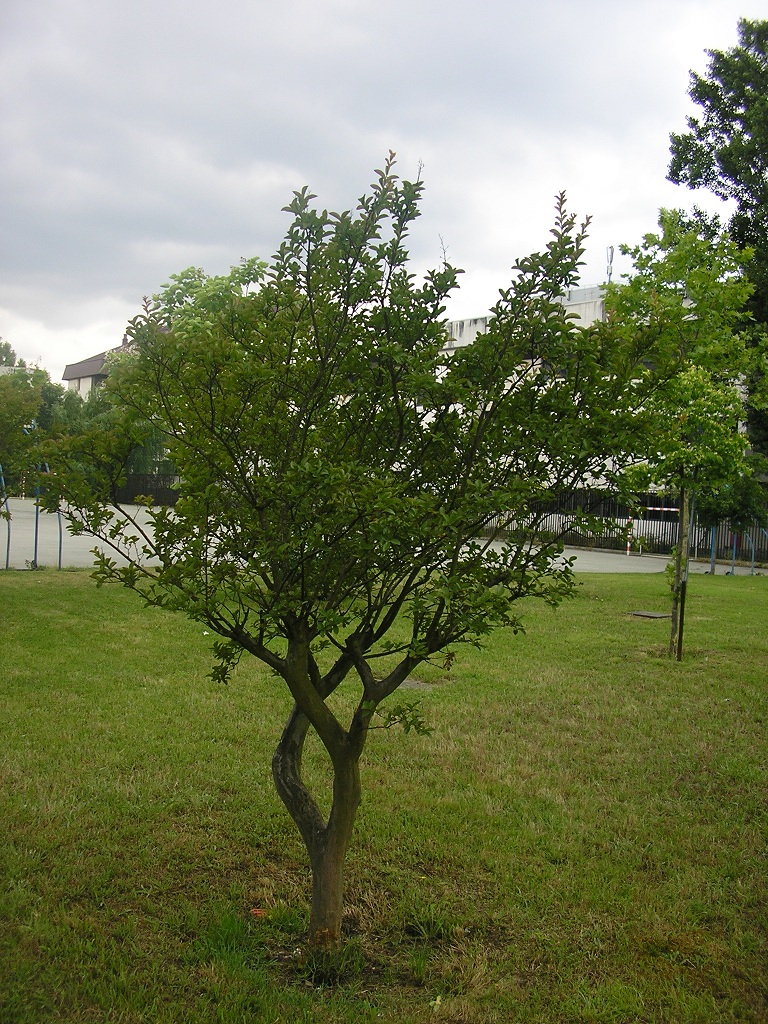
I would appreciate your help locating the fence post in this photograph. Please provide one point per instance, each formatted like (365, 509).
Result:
(713, 542)
(4, 501)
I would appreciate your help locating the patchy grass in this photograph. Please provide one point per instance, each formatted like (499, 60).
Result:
(582, 838)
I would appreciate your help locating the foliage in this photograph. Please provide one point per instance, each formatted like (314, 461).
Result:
(726, 151)
(742, 502)
(72, 414)
(8, 355)
(21, 400)
(688, 289)
(31, 405)
(726, 148)
(343, 480)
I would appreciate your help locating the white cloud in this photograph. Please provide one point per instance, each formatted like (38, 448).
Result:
(72, 335)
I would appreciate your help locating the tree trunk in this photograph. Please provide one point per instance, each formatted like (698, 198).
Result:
(328, 866)
(681, 568)
(326, 842)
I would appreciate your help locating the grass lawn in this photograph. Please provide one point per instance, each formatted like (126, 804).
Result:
(582, 839)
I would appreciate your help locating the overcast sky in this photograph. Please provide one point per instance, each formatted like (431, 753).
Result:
(140, 137)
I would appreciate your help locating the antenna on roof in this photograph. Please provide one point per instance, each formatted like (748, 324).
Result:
(609, 257)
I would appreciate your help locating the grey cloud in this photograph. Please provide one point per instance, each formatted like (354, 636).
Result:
(141, 137)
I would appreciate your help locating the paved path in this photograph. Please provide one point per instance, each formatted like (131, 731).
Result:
(55, 545)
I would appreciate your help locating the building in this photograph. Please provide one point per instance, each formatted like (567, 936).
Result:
(586, 304)
(89, 373)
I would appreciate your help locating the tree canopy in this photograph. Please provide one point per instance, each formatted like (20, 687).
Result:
(726, 151)
(355, 497)
(30, 405)
(688, 285)
(8, 355)
(726, 148)
(19, 403)
(27, 402)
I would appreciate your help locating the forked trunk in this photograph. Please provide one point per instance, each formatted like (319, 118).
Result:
(326, 842)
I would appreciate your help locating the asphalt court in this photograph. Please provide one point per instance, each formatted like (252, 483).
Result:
(33, 533)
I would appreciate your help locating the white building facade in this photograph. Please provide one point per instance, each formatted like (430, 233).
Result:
(586, 304)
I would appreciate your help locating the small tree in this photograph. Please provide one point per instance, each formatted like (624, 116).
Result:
(8, 355)
(354, 499)
(688, 288)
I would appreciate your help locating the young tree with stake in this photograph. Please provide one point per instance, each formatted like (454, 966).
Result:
(688, 289)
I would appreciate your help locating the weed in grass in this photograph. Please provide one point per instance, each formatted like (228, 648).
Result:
(289, 919)
(427, 920)
(418, 962)
(331, 968)
(227, 938)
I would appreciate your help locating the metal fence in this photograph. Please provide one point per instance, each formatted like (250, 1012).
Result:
(161, 487)
(651, 526)
(32, 538)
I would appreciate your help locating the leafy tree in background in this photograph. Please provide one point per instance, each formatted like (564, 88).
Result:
(8, 355)
(26, 400)
(34, 408)
(355, 501)
(30, 405)
(19, 403)
(741, 503)
(71, 414)
(726, 151)
(688, 283)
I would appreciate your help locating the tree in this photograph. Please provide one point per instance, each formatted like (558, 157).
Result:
(8, 355)
(29, 403)
(21, 396)
(702, 449)
(688, 286)
(68, 413)
(354, 501)
(741, 503)
(726, 151)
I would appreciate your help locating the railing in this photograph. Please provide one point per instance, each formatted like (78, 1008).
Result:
(31, 538)
(652, 527)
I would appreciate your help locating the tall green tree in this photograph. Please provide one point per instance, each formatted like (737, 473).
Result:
(726, 151)
(355, 500)
(8, 355)
(21, 402)
(30, 404)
